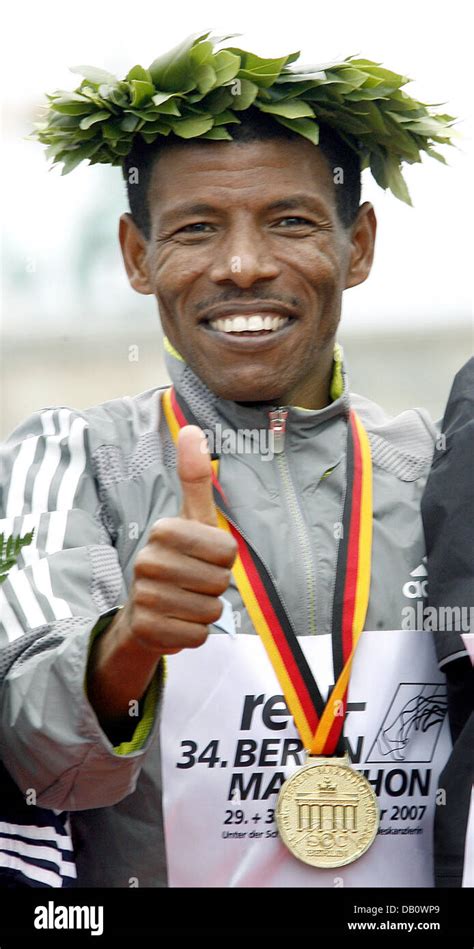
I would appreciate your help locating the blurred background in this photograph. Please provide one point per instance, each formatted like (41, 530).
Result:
(69, 316)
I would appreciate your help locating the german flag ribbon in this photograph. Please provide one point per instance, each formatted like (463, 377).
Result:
(319, 723)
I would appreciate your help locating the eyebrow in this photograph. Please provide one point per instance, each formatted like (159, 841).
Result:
(292, 202)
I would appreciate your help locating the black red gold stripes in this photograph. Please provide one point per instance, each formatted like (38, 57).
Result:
(319, 724)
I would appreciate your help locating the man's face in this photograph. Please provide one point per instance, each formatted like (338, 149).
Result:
(248, 232)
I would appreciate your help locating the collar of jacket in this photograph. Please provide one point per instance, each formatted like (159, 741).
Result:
(209, 409)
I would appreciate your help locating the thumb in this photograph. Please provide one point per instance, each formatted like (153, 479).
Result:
(195, 473)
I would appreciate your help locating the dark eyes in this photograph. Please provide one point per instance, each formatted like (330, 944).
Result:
(190, 228)
(302, 220)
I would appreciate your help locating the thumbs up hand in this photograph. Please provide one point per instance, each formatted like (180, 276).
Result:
(194, 472)
(186, 563)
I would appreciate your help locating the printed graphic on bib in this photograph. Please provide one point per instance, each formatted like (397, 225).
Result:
(229, 743)
(412, 725)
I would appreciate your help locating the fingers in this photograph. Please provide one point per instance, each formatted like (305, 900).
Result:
(175, 595)
(195, 474)
(187, 573)
(165, 634)
(208, 544)
(189, 606)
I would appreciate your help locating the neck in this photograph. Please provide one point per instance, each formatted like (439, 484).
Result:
(312, 392)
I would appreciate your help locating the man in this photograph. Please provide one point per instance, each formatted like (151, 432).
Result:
(248, 246)
(446, 510)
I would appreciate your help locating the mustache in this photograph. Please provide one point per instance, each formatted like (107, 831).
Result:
(232, 298)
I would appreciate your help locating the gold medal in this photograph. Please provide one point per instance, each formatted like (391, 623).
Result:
(327, 813)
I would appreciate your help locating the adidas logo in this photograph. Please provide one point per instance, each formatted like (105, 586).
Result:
(418, 587)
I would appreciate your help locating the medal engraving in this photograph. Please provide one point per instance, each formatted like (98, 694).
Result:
(327, 814)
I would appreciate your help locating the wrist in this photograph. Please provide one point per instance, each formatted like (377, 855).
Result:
(122, 638)
(119, 670)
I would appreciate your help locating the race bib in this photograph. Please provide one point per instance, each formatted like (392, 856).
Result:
(228, 743)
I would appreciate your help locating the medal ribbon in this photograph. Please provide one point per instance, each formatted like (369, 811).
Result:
(319, 723)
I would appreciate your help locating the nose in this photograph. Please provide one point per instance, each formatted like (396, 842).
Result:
(244, 256)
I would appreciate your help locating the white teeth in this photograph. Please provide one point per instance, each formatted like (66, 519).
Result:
(246, 324)
(255, 323)
(240, 324)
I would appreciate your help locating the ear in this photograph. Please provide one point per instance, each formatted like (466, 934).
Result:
(134, 252)
(362, 241)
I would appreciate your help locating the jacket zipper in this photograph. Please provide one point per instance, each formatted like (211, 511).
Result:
(277, 425)
(280, 416)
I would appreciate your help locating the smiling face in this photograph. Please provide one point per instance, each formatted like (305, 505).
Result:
(248, 259)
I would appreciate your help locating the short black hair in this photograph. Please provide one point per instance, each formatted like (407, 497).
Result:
(255, 125)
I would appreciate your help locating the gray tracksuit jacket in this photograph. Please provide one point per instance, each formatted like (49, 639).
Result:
(92, 483)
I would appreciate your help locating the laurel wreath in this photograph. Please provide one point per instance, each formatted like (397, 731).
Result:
(197, 91)
(10, 549)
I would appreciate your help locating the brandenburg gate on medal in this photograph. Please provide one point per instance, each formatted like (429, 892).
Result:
(325, 809)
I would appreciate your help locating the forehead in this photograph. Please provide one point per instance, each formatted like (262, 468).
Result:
(238, 174)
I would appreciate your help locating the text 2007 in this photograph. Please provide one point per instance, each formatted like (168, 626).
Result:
(407, 812)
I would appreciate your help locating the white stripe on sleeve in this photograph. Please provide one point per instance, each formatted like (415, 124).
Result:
(20, 469)
(30, 553)
(9, 619)
(47, 421)
(68, 870)
(51, 458)
(34, 851)
(42, 578)
(75, 468)
(48, 877)
(68, 487)
(27, 599)
(56, 531)
(38, 852)
(35, 832)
